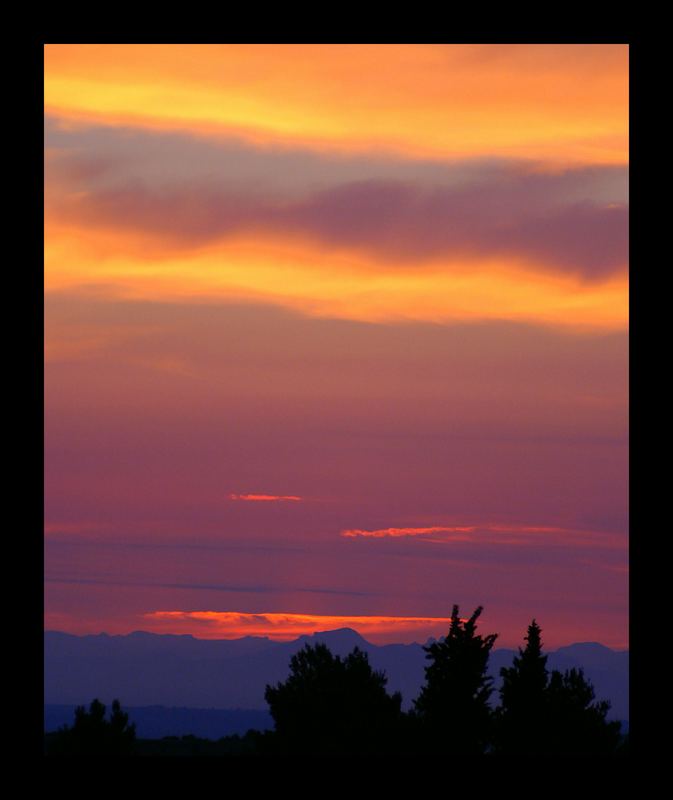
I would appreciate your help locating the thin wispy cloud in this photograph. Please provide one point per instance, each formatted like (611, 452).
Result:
(396, 532)
(494, 534)
(207, 587)
(266, 498)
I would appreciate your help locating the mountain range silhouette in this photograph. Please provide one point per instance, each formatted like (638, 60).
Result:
(228, 676)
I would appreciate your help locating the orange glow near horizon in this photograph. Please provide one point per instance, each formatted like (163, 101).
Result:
(285, 627)
(558, 630)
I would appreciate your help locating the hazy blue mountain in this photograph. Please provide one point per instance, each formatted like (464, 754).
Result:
(145, 669)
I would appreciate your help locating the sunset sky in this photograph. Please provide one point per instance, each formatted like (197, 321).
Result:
(337, 336)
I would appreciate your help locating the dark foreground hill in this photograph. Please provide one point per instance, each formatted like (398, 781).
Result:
(156, 722)
(225, 679)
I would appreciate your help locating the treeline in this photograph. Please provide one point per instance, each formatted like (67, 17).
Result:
(340, 706)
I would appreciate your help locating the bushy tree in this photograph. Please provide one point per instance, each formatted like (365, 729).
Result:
(577, 722)
(333, 705)
(453, 707)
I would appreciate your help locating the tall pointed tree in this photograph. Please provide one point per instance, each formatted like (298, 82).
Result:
(522, 716)
(557, 714)
(453, 706)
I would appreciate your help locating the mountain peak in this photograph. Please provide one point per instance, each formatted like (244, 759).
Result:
(343, 637)
(147, 635)
(586, 647)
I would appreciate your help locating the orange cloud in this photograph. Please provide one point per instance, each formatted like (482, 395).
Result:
(561, 103)
(330, 251)
(394, 532)
(304, 276)
(284, 627)
(518, 534)
(265, 498)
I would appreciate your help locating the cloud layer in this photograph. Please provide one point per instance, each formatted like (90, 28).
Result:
(397, 224)
(568, 103)
(340, 331)
(355, 236)
(572, 220)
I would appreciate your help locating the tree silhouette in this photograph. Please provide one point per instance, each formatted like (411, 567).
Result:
(333, 705)
(453, 706)
(522, 716)
(541, 714)
(578, 723)
(92, 734)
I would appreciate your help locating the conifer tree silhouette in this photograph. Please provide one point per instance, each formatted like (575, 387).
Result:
(453, 706)
(522, 716)
(542, 714)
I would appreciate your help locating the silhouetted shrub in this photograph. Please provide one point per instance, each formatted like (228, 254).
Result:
(577, 723)
(92, 734)
(333, 705)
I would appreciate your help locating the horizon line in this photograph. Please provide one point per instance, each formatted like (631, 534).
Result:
(309, 635)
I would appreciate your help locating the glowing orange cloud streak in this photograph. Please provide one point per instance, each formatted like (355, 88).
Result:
(475, 533)
(563, 103)
(302, 276)
(265, 498)
(284, 627)
(395, 532)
